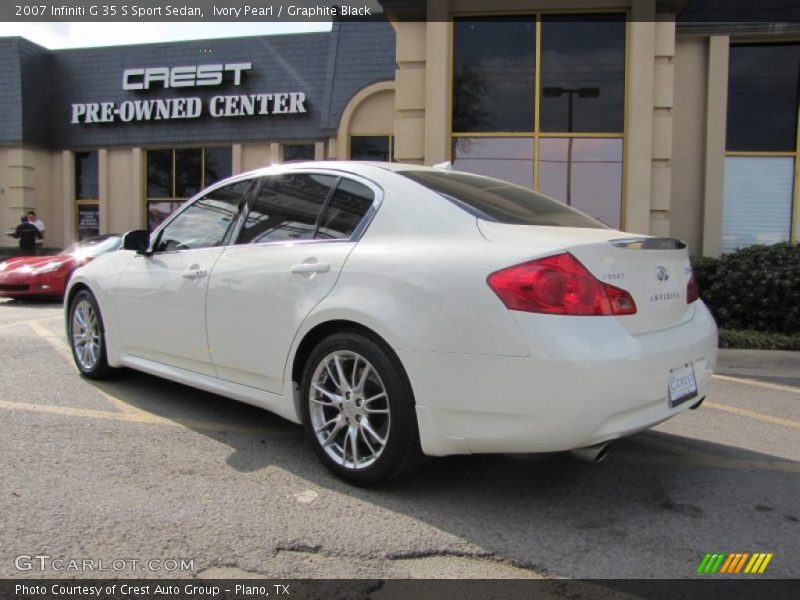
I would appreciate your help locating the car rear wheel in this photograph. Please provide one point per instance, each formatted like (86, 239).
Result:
(359, 410)
(87, 337)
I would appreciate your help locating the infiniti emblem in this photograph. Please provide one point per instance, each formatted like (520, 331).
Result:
(662, 274)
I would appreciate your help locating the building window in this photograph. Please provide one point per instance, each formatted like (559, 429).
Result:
(539, 101)
(762, 150)
(174, 175)
(87, 203)
(493, 74)
(372, 147)
(298, 152)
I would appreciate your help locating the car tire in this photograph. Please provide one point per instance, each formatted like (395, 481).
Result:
(359, 411)
(86, 336)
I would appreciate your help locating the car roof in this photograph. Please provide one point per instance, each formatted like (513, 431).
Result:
(356, 167)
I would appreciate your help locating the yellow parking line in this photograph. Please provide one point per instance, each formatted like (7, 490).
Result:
(60, 345)
(80, 412)
(688, 455)
(143, 417)
(28, 322)
(764, 384)
(743, 412)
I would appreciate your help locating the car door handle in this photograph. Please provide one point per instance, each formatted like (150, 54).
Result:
(311, 268)
(193, 273)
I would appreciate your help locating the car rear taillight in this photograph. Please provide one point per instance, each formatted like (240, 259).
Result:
(692, 290)
(558, 285)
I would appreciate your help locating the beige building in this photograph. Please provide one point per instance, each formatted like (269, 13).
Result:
(628, 110)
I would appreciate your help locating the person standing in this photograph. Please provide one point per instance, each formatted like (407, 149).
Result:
(32, 218)
(27, 233)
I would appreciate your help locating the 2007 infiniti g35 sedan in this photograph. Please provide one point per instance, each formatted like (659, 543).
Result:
(399, 311)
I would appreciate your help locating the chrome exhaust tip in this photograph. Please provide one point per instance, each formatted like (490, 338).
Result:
(592, 454)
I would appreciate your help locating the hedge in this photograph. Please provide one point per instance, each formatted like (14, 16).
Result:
(753, 289)
(758, 340)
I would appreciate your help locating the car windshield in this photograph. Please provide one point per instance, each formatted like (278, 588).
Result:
(94, 247)
(499, 201)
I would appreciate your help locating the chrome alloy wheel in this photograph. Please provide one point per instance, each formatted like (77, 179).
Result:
(86, 334)
(349, 409)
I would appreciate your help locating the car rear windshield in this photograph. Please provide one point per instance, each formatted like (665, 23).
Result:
(501, 202)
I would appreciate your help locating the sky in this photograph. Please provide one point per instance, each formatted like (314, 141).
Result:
(82, 35)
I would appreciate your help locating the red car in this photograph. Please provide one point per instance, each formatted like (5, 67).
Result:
(25, 276)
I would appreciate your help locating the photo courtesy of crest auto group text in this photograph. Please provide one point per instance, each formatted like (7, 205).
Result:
(401, 298)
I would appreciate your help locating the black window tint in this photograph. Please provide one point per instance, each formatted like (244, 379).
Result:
(159, 173)
(218, 165)
(369, 147)
(205, 222)
(295, 152)
(583, 73)
(286, 208)
(501, 202)
(86, 176)
(763, 97)
(349, 204)
(494, 68)
(188, 172)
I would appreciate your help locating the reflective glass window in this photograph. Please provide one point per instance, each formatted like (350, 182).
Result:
(204, 223)
(583, 73)
(757, 207)
(86, 174)
(188, 172)
(159, 174)
(498, 201)
(763, 97)
(370, 147)
(218, 164)
(347, 207)
(585, 173)
(510, 159)
(298, 152)
(494, 72)
(286, 208)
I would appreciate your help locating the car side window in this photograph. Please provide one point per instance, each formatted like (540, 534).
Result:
(346, 209)
(286, 208)
(205, 222)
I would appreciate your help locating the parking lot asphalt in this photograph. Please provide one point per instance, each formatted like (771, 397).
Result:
(142, 469)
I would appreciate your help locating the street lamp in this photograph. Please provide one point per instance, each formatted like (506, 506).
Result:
(582, 92)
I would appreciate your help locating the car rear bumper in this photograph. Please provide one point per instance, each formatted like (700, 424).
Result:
(587, 380)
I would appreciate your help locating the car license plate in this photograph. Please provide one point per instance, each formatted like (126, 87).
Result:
(682, 385)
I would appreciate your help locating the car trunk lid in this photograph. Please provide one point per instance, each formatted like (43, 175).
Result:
(655, 271)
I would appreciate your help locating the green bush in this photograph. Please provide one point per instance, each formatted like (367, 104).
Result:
(758, 340)
(756, 288)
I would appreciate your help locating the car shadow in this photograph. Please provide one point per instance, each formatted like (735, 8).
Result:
(652, 509)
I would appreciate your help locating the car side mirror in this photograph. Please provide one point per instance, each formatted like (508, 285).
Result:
(138, 241)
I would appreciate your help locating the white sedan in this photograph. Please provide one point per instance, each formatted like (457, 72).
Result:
(399, 311)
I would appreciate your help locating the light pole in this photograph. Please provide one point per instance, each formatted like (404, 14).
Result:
(582, 92)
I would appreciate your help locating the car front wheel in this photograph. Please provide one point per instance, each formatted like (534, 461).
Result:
(359, 410)
(87, 337)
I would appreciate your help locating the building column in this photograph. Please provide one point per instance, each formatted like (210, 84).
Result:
(716, 123)
(410, 85)
(236, 159)
(663, 103)
(639, 120)
(274, 153)
(319, 150)
(138, 186)
(103, 190)
(68, 197)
